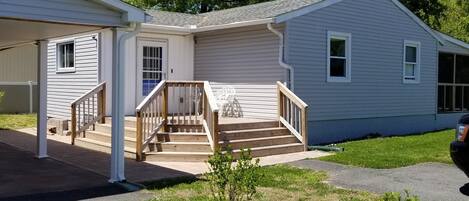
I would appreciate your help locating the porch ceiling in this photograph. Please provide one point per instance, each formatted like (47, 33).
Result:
(20, 31)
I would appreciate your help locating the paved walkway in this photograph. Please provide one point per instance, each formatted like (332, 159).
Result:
(430, 181)
(23, 177)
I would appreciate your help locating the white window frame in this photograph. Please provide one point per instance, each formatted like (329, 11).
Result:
(348, 56)
(60, 69)
(416, 78)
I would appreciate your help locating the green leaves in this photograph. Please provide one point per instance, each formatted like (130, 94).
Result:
(233, 181)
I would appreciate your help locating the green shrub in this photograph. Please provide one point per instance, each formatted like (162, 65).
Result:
(396, 196)
(2, 93)
(234, 182)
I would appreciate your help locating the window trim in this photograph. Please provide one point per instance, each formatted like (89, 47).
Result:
(348, 56)
(60, 69)
(417, 45)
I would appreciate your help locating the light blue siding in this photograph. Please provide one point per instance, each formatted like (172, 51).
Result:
(78, 11)
(324, 132)
(378, 29)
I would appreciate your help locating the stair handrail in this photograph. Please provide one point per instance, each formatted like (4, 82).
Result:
(293, 113)
(210, 120)
(151, 109)
(80, 116)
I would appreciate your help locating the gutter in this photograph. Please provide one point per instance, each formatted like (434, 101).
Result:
(197, 29)
(118, 105)
(280, 56)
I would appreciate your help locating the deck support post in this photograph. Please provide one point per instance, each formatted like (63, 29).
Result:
(41, 147)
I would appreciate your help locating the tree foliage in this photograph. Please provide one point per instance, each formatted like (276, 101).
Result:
(448, 16)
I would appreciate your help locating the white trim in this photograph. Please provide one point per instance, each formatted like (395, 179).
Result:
(417, 64)
(305, 10)
(61, 69)
(291, 78)
(195, 29)
(418, 20)
(234, 25)
(348, 56)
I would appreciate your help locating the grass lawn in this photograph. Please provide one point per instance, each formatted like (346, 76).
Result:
(396, 152)
(280, 182)
(17, 121)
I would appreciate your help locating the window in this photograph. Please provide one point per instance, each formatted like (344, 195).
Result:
(66, 57)
(411, 62)
(339, 53)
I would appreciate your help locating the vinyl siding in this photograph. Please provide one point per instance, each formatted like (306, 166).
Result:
(245, 58)
(378, 29)
(64, 88)
(78, 11)
(19, 64)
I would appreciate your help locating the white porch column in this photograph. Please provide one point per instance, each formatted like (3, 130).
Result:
(41, 146)
(117, 140)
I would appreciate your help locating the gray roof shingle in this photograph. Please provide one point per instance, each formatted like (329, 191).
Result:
(240, 14)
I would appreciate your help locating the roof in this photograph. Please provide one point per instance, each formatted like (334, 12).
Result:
(453, 45)
(277, 11)
(252, 12)
(132, 14)
(449, 39)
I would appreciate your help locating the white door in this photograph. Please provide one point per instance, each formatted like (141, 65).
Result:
(152, 60)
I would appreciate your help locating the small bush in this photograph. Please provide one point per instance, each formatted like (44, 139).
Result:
(233, 182)
(2, 93)
(396, 196)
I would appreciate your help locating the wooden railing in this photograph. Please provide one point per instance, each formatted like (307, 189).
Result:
(88, 109)
(293, 113)
(152, 116)
(176, 106)
(210, 122)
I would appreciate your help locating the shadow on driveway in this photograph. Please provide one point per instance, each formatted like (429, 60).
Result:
(71, 172)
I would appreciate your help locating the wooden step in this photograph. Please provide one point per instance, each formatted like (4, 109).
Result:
(245, 126)
(253, 133)
(105, 137)
(260, 142)
(273, 150)
(182, 137)
(183, 147)
(185, 128)
(107, 128)
(177, 156)
(102, 146)
(130, 122)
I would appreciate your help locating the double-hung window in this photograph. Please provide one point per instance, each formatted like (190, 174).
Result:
(66, 57)
(411, 62)
(339, 57)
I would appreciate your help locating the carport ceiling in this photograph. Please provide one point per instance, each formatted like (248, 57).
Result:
(19, 31)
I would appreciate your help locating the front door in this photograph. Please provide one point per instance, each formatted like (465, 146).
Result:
(151, 64)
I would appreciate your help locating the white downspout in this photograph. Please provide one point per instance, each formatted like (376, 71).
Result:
(280, 56)
(118, 107)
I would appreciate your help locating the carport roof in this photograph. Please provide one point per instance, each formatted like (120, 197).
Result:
(27, 21)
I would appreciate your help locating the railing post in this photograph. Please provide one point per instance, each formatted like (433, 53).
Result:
(215, 135)
(102, 105)
(280, 105)
(165, 108)
(74, 123)
(304, 127)
(139, 137)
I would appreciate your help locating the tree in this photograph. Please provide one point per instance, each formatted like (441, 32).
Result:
(430, 11)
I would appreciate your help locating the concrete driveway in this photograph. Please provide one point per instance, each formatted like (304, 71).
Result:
(430, 181)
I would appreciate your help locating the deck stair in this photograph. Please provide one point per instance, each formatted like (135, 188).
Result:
(157, 135)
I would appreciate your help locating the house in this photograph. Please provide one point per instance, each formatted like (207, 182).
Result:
(18, 79)
(362, 67)
(29, 22)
